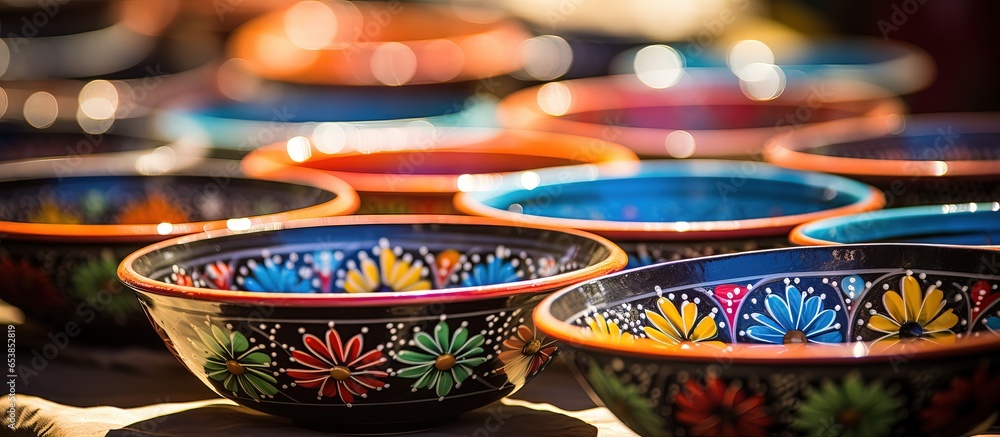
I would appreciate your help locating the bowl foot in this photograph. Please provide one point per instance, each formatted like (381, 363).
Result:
(377, 428)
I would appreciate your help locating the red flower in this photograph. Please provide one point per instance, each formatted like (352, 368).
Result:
(338, 369)
(524, 355)
(715, 409)
(964, 405)
(25, 286)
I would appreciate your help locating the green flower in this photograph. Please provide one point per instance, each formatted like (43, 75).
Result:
(627, 402)
(228, 358)
(99, 277)
(849, 408)
(443, 360)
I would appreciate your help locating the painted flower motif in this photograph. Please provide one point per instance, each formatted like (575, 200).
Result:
(969, 405)
(154, 208)
(627, 402)
(274, 276)
(608, 330)
(799, 319)
(24, 285)
(673, 328)
(992, 324)
(444, 265)
(494, 271)
(229, 359)
(52, 212)
(219, 275)
(337, 369)
(324, 264)
(714, 408)
(391, 274)
(848, 408)
(730, 296)
(100, 276)
(442, 361)
(523, 355)
(914, 315)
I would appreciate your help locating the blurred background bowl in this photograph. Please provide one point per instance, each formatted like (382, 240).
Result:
(65, 235)
(667, 210)
(916, 160)
(420, 168)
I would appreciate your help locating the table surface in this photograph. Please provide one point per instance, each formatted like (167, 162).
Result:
(96, 391)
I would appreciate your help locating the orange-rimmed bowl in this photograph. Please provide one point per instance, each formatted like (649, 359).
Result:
(702, 115)
(882, 339)
(916, 160)
(335, 323)
(378, 43)
(64, 236)
(420, 170)
(663, 210)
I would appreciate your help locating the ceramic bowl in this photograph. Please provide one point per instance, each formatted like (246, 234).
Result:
(921, 159)
(63, 237)
(279, 111)
(378, 44)
(363, 324)
(419, 169)
(967, 224)
(900, 67)
(702, 115)
(851, 340)
(26, 152)
(667, 210)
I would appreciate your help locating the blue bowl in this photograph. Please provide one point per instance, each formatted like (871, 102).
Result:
(968, 224)
(704, 206)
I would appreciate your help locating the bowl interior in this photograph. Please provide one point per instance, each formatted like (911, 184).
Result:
(924, 143)
(384, 257)
(963, 224)
(707, 191)
(436, 162)
(149, 199)
(706, 116)
(880, 296)
(17, 143)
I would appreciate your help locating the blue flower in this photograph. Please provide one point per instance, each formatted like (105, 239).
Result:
(795, 320)
(494, 271)
(276, 277)
(993, 324)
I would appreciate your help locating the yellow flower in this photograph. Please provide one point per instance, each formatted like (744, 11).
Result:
(915, 315)
(608, 331)
(392, 274)
(155, 208)
(673, 328)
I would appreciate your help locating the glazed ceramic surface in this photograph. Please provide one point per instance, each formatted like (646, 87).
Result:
(668, 210)
(363, 324)
(969, 224)
(65, 237)
(916, 160)
(855, 340)
(419, 169)
(702, 115)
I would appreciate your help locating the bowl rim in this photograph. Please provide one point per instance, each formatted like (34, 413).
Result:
(346, 201)
(794, 149)
(332, 65)
(804, 234)
(470, 202)
(615, 261)
(748, 353)
(705, 87)
(273, 159)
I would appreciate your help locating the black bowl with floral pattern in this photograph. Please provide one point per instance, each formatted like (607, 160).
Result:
(62, 237)
(363, 324)
(860, 340)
